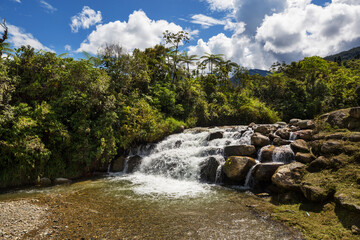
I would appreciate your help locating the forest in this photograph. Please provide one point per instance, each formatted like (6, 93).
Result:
(61, 116)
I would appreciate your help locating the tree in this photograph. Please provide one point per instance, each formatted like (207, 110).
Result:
(211, 60)
(4, 47)
(188, 60)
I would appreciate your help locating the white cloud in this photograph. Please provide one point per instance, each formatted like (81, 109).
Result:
(353, 2)
(221, 5)
(47, 6)
(67, 47)
(18, 38)
(18, 1)
(139, 32)
(86, 18)
(206, 21)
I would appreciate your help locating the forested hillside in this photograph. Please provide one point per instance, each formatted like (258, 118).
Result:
(65, 117)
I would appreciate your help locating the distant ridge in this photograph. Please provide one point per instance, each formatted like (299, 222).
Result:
(346, 55)
(258, 71)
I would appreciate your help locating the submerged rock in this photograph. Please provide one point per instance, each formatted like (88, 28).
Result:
(215, 135)
(236, 168)
(208, 170)
(288, 177)
(240, 150)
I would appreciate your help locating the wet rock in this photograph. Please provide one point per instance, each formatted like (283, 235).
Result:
(264, 171)
(236, 168)
(284, 133)
(283, 154)
(304, 134)
(300, 145)
(355, 112)
(354, 137)
(304, 157)
(59, 181)
(288, 177)
(215, 135)
(332, 147)
(208, 170)
(280, 142)
(319, 164)
(347, 202)
(316, 193)
(263, 129)
(305, 124)
(133, 163)
(240, 150)
(259, 140)
(118, 164)
(43, 182)
(294, 121)
(267, 154)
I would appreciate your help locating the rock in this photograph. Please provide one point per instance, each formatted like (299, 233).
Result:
(319, 164)
(304, 134)
(264, 130)
(280, 142)
(283, 154)
(300, 146)
(294, 121)
(118, 164)
(59, 181)
(284, 133)
(354, 124)
(264, 171)
(236, 168)
(332, 147)
(304, 157)
(208, 170)
(251, 125)
(305, 124)
(288, 177)
(316, 147)
(339, 118)
(347, 202)
(133, 163)
(281, 123)
(240, 150)
(266, 154)
(355, 230)
(215, 135)
(336, 136)
(272, 136)
(43, 182)
(259, 140)
(354, 137)
(355, 112)
(316, 193)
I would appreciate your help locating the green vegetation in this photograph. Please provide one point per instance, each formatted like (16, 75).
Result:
(66, 117)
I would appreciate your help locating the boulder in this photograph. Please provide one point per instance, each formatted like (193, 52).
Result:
(266, 154)
(284, 133)
(236, 168)
(339, 118)
(319, 164)
(283, 154)
(354, 124)
(133, 163)
(59, 181)
(240, 150)
(263, 129)
(282, 124)
(272, 136)
(305, 124)
(208, 170)
(294, 121)
(355, 112)
(332, 147)
(304, 134)
(280, 142)
(259, 140)
(304, 157)
(300, 146)
(336, 136)
(215, 135)
(264, 171)
(288, 177)
(355, 137)
(347, 202)
(316, 146)
(316, 193)
(118, 164)
(43, 182)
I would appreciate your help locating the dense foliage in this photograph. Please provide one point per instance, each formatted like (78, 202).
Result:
(66, 117)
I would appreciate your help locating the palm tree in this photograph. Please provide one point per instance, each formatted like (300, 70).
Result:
(188, 60)
(229, 65)
(211, 60)
(5, 47)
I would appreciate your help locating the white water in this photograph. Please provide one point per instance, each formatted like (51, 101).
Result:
(172, 167)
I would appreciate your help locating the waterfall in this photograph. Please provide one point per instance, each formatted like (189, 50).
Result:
(283, 154)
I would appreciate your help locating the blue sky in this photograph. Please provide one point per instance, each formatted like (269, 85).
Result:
(253, 33)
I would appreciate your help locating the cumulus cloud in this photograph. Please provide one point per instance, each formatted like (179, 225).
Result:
(47, 6)
(18, 37)
(221, 5)
(67, 47)
(138, 32)
(284, 30)
(86, 18)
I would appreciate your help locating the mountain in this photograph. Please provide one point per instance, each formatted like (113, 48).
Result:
(346, 55)
(258, 71)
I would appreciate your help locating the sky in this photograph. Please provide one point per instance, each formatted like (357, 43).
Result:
(252, 33)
